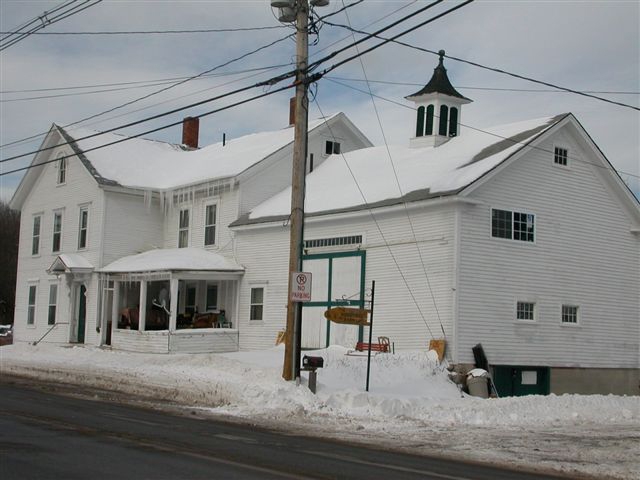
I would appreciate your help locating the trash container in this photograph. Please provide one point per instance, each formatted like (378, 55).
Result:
(478, 383)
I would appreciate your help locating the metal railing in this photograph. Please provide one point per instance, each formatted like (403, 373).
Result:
(49, 331)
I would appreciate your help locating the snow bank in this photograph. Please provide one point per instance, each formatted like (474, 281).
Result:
(411, 402)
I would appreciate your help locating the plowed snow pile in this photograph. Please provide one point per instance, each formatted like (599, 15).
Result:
(411, 405)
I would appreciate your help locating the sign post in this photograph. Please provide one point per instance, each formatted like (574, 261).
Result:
(373, 291)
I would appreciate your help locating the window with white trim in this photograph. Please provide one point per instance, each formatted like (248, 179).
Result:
(31, 305)
(82, 228)
(570, 314)
(560, 156)
(53, 303)
(62, 169)
(257, 303)
(525, 311)
(210, 220)
(331, 148)
(57, 232)
(512, 225)
(183, 229)
(35, 238)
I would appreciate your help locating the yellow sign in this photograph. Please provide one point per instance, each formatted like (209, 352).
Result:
(349, 316)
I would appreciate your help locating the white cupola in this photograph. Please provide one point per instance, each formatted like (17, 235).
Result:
(438, 109)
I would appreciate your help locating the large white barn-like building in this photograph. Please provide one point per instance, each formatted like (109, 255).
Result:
(521, 237)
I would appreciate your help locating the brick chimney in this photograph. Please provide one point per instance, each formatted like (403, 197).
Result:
(292, 111)
(190, 131)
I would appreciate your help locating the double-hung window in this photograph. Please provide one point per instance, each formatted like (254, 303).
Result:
(210, 225)
(31, 306)
(513, 225)
(35, 238)
(257, 303)
(57, 231)
(82, 228)
(53, 302)
(183, 229)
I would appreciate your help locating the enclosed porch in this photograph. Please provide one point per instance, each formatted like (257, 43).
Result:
(172, 300)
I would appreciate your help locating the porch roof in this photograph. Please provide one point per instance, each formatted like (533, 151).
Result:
(172, 260)
(70, 263)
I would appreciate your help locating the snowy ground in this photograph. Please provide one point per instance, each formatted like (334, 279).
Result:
(412, 406)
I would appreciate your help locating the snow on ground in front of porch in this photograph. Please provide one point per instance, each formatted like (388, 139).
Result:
(411, 404)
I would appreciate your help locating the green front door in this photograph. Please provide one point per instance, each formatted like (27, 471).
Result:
(517, 381)
(82, 312)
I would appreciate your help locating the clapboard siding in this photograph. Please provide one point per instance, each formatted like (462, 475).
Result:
(264, 251)
(227, 212)
(219, 340)
(143, 342)
(130, 226)
(584, 255)
(79, 190)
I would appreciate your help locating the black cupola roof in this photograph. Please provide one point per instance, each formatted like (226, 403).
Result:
(439, 82)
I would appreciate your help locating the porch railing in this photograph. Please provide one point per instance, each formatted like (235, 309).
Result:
(48, 332)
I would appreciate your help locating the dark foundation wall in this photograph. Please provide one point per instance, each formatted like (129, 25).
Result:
(595, 381)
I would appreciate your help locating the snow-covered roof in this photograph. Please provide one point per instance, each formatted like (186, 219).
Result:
(143, 163)
(173, 259)
(70, 262)
(421, 172)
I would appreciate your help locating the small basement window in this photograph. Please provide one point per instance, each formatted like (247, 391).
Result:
(560, 156)
(331, 148)
(570, 314)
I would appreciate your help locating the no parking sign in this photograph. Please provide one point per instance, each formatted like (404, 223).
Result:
(300, 286)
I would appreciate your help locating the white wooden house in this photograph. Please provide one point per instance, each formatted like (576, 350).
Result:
(126, 245)
(522, 238)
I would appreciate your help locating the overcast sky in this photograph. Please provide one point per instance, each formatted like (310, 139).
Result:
(585, 46)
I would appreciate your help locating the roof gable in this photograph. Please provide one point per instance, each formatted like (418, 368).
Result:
(422, 173)
(149, 164)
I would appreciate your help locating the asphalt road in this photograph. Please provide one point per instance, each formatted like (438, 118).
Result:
(47, 435)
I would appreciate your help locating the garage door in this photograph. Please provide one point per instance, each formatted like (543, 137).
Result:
(338, 279)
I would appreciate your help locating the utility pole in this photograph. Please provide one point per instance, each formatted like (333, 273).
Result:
(291, 368)
(298, 11)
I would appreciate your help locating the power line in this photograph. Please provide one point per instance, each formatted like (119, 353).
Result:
(268, 82)
(515, 142)
(313, 65)
(94, 116)
(378, 227)
(318, 62)
(157, 91)
(422, 24)
(493, 69)
(40, 17)
(46, 20)
(533, 90)
(133, 87)
(153, 32)
(395, 173)
(271, 81)
(164, 127)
